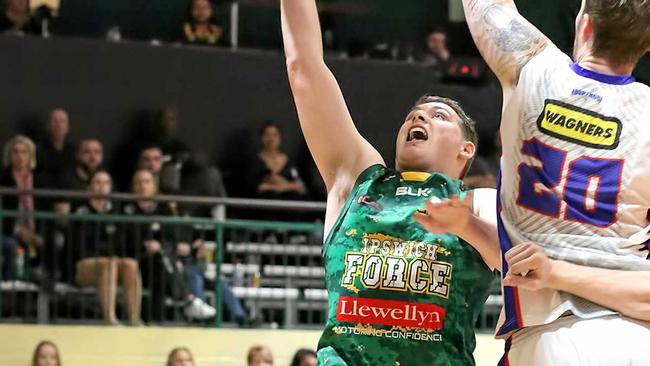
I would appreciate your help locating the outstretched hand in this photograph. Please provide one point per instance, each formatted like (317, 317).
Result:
(528, 267)
(449, 215)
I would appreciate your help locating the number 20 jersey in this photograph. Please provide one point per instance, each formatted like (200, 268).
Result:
(575, 178)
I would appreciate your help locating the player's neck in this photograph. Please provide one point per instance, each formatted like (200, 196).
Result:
(604, 66)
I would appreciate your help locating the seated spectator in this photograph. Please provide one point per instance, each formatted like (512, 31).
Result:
(201, 27)
(102, 259)
(274, 175)
(19, 233)
(46, 354)
(198, 178)
(167, 176)
(436, 53)
(56, 155)
(305, 357)
(260, 356)
(15, 17)
(163, 255)
(151, 159)
(192, 177)
(180, 356)
(90, 158)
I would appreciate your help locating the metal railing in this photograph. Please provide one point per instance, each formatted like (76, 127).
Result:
(268, 270)
(46, 294)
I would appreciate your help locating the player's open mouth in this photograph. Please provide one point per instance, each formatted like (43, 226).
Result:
(417, 134)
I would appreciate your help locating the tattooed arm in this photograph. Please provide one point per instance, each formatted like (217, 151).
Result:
(506, 40)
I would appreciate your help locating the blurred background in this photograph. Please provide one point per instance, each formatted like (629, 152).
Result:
(146, 128)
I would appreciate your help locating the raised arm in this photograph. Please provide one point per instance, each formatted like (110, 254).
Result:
(506, 40)
(340, 152)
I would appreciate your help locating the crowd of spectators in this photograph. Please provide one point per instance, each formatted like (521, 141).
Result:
(47, 353)
(164, 260)
(200, 26)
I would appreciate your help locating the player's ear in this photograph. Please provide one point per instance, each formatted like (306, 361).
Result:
(467, 150)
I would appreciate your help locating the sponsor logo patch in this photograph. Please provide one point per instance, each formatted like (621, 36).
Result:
(581, 126)
(386, 312)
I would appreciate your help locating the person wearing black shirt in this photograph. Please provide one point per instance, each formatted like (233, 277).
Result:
(201, 28)
(56, 155)
(103, 257)
(163, 254)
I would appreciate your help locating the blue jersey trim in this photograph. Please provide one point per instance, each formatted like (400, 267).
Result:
(603, 78)
(512, 321)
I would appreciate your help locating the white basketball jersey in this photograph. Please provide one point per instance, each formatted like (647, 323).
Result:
(575, 178)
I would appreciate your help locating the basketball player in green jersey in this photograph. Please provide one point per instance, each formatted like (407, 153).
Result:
(398, 294)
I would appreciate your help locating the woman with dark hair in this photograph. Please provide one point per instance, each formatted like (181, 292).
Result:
(180, 356)
(201, 26)
(304, 357)
(46, 354)
(275, 175)
(102, 260)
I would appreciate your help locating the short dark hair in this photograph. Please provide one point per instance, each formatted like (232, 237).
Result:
(621, 28)
(269, 124)
(301, 354)
(467, 124)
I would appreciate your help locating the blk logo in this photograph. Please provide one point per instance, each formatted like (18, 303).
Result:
(410, 191)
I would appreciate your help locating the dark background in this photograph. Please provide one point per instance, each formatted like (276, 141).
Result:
(113, 90)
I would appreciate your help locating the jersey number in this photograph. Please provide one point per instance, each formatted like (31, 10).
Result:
(590, 189)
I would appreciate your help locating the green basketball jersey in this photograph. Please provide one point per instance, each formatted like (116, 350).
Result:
(399, 295)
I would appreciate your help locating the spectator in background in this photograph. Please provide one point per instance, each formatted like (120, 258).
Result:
(164, 254)
(436, 53)
(19, 161)
(102, 260)
(180, 356)
(56, 155)
(164, 135)
(167, 176)
(274, 175)
(305, 357)
(46, 353)
(201, 27)
(90, 158)
(16, 17)
(151, 159)
(260, 356)
(480, 174)
(198, 178)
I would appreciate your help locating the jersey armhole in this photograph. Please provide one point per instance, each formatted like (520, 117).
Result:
(371, 173)
(545, 60)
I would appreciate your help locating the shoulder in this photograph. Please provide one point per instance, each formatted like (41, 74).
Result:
(346, 185)
(550, 59)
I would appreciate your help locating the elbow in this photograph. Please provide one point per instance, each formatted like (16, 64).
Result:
(294, 66)
(303, 67)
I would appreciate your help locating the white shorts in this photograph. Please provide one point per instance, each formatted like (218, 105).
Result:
(571, 341)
